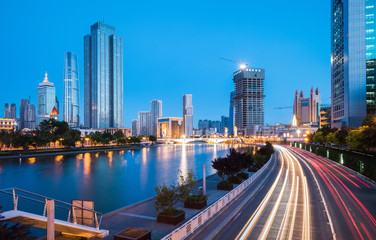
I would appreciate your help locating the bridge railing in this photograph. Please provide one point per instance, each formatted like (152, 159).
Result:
(22, 200)
(200, 219)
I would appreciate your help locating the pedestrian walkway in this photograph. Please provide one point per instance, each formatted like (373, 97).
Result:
(143, 214)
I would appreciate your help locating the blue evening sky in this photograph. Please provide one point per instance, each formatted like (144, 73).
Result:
(172, 48)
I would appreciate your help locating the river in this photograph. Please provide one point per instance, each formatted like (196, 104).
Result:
(112, 179)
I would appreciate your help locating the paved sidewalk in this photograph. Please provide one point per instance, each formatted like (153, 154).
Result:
(143, 214)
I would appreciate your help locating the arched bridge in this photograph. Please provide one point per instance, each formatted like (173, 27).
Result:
(202, 140)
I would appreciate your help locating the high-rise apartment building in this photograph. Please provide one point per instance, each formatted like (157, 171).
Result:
(249, 99)
(71, 90)
(155, 113)
(27, 115)
(170, 127)
(144, 127)
(231, 118)
(348, 60)
(10, 111)
(188, 115)
(307, 110)
(103, 77)
(135, 127)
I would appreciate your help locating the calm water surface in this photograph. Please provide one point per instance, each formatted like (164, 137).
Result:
(111, 179)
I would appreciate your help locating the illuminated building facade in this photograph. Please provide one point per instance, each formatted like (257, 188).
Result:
(188, 115)
(325, 116)
(46, 97)
(7, 124)
(348, 60)
(170, 127)
(371, 56)
(155, 113)
(103, 78)
(71, 113)
(307, 110)
(249, 99)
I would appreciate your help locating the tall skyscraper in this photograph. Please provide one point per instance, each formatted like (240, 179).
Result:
(135, 127)
(144, 127)
(348, 61)
(27, 115)
(231, 118)
(249, 99)
(188, 115)
(71, 90)
(371, 56)
(307, 110)
(103, 77)
(46, 97)
(155, 113)
(10, 111)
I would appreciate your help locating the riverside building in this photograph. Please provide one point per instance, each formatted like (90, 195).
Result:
(155, 113)
(71, 113)
(103, 77)
(188, 115)
(248, 99)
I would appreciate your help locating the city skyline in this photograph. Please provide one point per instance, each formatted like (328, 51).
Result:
(140, 53)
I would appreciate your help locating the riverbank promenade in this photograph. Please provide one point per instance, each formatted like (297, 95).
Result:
(143, 214)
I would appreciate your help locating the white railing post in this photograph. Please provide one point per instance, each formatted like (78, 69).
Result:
(50, 219)
(15, 200)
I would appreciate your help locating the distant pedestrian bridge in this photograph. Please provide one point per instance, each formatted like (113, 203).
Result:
(201, 140)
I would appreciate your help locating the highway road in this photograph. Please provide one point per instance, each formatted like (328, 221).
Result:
(301, 196)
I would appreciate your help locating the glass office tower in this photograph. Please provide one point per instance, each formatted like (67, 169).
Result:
(46, 97)
(348, 63)
(103, 77)
(155, 113)
(371, 55)
(188, 115)
(71, 90)
(10, 111)
(231, 119)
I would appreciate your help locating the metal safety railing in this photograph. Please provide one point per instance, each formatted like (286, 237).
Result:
(33, 203)
(200, 219)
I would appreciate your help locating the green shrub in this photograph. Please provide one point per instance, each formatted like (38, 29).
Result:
(235, 179)
(196, 198)
(243, 175)
(171, 212)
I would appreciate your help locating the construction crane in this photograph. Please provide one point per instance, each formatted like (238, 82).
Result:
(242, 64)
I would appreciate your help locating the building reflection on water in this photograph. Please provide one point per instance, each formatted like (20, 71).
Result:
(125, 176)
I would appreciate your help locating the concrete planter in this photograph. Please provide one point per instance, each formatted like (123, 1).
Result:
(133, 234)
(195, 205)
(173, 220)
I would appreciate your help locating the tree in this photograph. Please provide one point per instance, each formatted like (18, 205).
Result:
(165, 200)
(369, 121)
(354, 139)
(96, 138)
(219, 164)
(118, 135)
(331, 138)
(341, 136)
(38, 141)
(369, 137)
(23, 141)
(135, 139)
(152, 138)
(319, 137)
(186, 184)
(106, 138)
